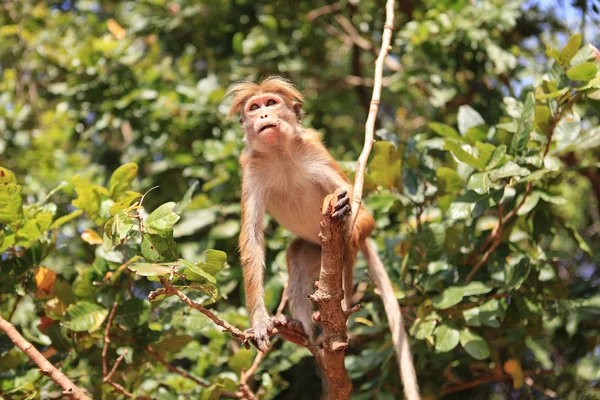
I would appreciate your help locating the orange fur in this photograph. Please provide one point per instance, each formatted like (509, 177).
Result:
(287, 172)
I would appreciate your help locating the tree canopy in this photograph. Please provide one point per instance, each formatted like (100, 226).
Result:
(120, 192)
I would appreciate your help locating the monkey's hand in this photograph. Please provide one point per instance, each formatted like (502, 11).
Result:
(342, 206)
(261, 329)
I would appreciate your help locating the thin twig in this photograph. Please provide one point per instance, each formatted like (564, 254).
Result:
(120, 389)
(361, 164)
(237, 333)
(550, 393)
(70, 389)
(364, 44)
(317, 12)
(107, 338)
(291, 334)
(14, 309)
(115, 366)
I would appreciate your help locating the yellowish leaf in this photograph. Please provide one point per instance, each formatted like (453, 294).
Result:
(363, 321)
(44, 279)
(91, 237)
(117, 30)
(513, 368)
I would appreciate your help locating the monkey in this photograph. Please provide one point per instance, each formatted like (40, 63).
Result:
(287, 172)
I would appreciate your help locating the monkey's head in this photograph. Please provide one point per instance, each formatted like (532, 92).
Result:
(270, 111)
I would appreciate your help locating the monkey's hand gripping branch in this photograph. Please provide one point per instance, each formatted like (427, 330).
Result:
(284, 326)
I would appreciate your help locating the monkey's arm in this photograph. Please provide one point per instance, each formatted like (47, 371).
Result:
(252, 249)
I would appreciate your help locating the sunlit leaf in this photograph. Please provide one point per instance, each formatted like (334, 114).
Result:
(524, 127)
(570, 49)
(446, 338)
(583, 72)
(85, 316)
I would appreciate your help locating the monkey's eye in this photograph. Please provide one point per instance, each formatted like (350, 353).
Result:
(254, 107)
(271, 103)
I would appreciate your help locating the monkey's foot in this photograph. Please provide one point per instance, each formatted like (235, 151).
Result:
(290, 329)
(287, 322)
(342, 206)
(261, 330)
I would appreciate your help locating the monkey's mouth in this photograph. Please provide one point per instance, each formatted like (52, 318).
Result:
(264, 128)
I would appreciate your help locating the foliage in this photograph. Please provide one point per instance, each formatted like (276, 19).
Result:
(118, 167)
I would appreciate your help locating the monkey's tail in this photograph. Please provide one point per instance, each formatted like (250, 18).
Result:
(392, 309)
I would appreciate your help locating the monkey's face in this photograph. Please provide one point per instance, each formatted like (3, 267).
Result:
(267, 120)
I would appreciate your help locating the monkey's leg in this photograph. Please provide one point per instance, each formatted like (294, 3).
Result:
(304, 263)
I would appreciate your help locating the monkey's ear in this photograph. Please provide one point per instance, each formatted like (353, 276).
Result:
(298, 111)
(241, 120)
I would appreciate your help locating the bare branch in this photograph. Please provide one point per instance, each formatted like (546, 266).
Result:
(70, 389)
(317, 12)
(328, 298)
(361, 165)
(107, 338)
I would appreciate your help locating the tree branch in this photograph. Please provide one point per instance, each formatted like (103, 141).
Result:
(361, 164)
(70, 389)
(328, 298)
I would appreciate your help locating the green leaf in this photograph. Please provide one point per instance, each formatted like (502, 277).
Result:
(487, 314)
(242, 360)
(85, 316)
(115, 230)
(449, 181)
(126, 199)
(11, 204)
(468, 118)
(444, 130)
(582, 72)
(195, 272)
(187, 199)
(212, 261)
(552, 52)
(386, 165)
(65, 218)
(524, 126)
(159, 248)
(539, 352)
(474, 345)
(421, 329)
(162, 220)
(121, 180)
(475, 288)
(479, 182)
(570, 49)
(497, 157)
(151, 269)
(446, 338)
(172, 344)
(516, 273)
(464, 156)
(579, 239)
(89, 198)
(225, 230)
(508, 170)
(448, 298)
(589, 368)
(133, 313)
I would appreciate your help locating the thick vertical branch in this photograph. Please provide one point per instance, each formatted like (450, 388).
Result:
(70, 390)
(361, 164)
(328, 298)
